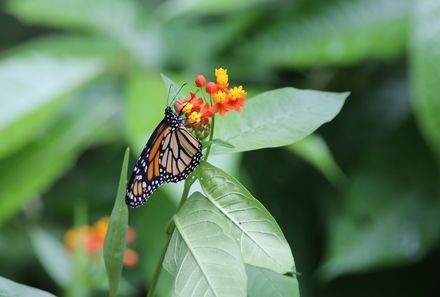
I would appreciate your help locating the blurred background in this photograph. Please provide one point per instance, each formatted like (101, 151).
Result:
(358, 201)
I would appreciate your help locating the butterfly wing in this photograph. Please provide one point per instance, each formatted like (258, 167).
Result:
(145, 178)
(181, 154)
(170, 155)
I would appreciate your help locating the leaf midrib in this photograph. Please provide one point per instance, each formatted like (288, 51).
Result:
(236, 223)
(186, 240)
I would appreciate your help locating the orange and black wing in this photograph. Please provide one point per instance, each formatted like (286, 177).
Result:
(145, 178)
(169, 156)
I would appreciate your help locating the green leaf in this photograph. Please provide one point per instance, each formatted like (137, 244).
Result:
(276, 118)
(425, 69)
(116, 236)
(266, 283)
(52, 255)
(32, 169)
(12, 289)
(262, 242)
(34, 88)
(203, 256)
(332, 32)
(314, 150)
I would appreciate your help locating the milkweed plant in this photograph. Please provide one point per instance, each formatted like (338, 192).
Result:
(223, 241)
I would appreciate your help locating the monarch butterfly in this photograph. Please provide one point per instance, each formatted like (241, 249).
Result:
(170, 155)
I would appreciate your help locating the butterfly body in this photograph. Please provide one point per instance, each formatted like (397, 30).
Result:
(170, 155)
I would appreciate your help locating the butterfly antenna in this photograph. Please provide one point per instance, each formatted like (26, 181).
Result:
(184, 84)
(168, 96)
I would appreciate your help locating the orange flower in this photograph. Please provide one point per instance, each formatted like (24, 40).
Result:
(237, 95)
(92, 238)
(206, 113)
(221, 103)
(194, 117)
(190, 104)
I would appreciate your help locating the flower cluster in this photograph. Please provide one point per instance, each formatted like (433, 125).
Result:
(198, 112)
(92, 239)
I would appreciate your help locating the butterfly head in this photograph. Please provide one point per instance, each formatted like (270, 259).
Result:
(172, 119)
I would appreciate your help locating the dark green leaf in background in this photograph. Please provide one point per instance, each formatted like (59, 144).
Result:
(425, 71)
(203, 255)
(32, 169)
(332, 32)
(277, 118)
(116, 236)
(261, 240)
(388, 216)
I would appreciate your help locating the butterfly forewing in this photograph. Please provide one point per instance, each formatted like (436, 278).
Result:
(170, 155)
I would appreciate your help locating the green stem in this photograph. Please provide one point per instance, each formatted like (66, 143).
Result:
(211, 135)
(188, 183)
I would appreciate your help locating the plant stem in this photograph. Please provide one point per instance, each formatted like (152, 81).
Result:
(211, 135)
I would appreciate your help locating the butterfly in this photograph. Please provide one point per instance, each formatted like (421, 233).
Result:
(170, 155)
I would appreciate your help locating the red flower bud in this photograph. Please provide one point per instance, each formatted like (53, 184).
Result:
(200, 80)
(211, 88)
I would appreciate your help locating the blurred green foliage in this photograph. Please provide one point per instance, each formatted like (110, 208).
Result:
(79, 80)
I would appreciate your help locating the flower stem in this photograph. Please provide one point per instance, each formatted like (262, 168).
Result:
(211, 135)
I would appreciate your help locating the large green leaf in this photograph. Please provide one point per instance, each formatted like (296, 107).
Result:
(332, 32)
(52, 255)
(262, 242)
(116, 236)
(203, 255)
(276, 118)
(314, 150)
(32, 169)
(33, 90)
(425, 70)
(12, 289)
(266, 283)
(118, 19)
